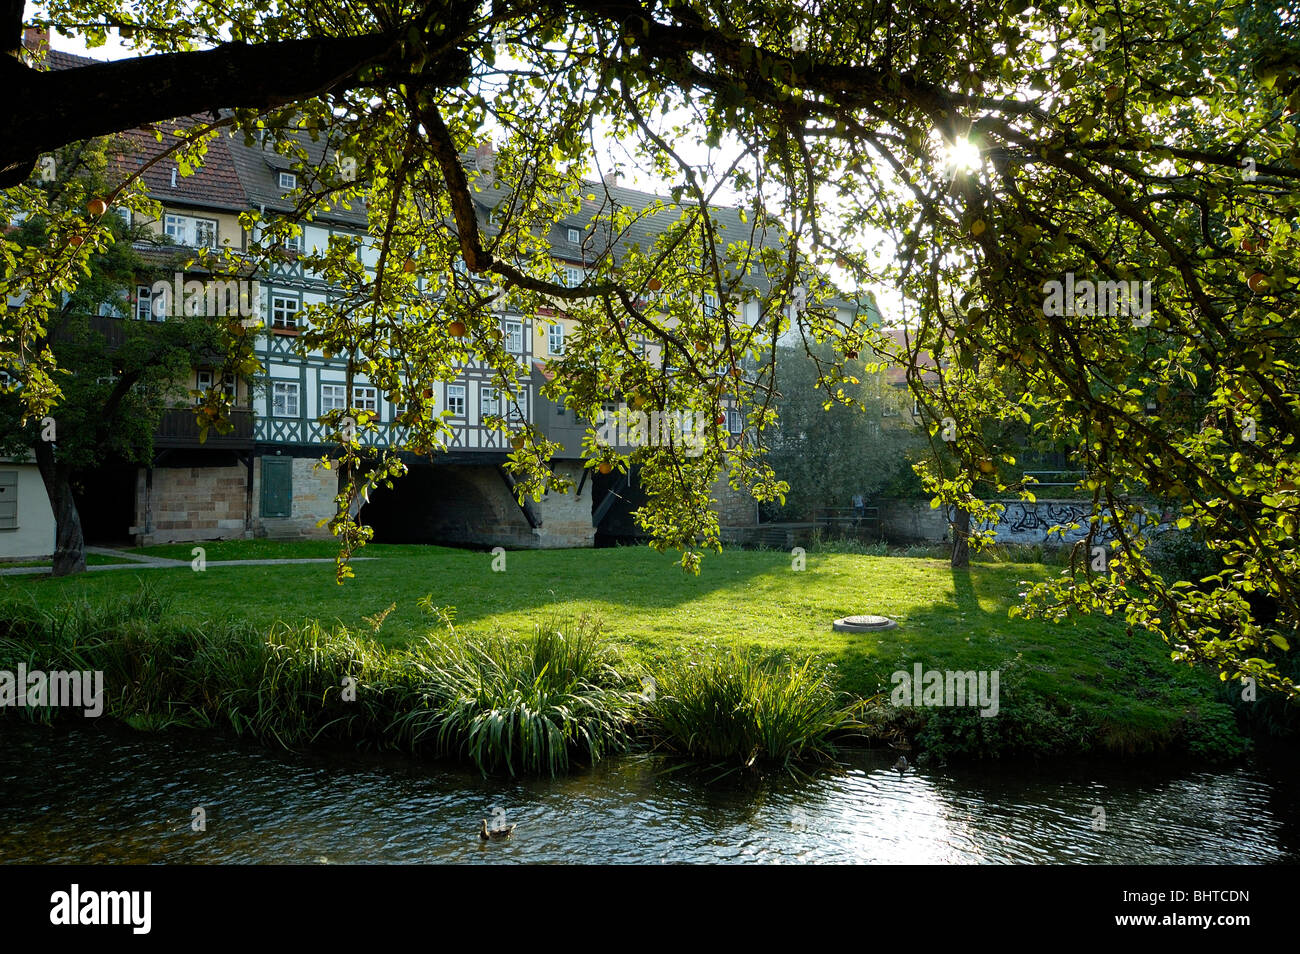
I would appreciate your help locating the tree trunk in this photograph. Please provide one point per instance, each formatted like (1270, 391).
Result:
(961, 539)
(69, 545)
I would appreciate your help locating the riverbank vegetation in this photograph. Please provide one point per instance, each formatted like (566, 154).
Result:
(515, 705)
(452, 659)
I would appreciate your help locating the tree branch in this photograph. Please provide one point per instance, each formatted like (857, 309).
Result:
(47, 109)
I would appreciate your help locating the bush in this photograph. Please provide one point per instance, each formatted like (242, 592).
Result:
(1179, 555)
(742, 711)
(1210, 732)
(1024, 725)
(523, 705)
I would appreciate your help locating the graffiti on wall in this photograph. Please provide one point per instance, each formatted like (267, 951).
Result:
(1024, 522)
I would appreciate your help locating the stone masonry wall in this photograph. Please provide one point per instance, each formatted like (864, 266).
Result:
(735, 508)
(314, 489)
(192, 503)
(566, 519)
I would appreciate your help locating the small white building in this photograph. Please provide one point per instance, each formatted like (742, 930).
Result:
(26, 520)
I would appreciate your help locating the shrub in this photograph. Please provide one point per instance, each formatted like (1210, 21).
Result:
(1024, 725)
(523, 705)
(1210, 732)
(1179, 555)
(743, 711)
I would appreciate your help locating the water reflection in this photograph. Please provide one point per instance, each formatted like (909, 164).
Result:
(112, 796)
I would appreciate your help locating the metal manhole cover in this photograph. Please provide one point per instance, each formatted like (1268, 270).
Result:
(863, 624)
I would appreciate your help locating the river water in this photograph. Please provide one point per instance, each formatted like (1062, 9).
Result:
(110, 795)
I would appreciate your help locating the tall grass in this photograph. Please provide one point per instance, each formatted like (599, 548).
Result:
(522, 705)
(743, 711)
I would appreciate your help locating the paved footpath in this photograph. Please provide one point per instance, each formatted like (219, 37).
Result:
(140, 561)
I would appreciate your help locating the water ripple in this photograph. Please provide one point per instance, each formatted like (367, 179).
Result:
(106, 796)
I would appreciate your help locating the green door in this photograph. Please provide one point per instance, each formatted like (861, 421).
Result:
(277, 486)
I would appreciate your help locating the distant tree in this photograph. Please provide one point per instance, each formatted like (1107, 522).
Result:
(834, 441)
(109, 394)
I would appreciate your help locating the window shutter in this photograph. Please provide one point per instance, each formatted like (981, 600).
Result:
(277, 486)
(8, 499)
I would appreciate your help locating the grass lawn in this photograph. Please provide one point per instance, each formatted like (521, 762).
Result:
(92, 559)
(947, 619)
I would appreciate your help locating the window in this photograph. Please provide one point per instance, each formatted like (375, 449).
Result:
(293, 243)
(144, 303)
(514, 336)
(288, 180)
(284, 311)
(284, 399)
(205, 379)
(333, 397)
(8, 500)
(205, 233)
(115, 306)
(367, 398)
(555, 340)
(175, 228)
(456, 399)
(185, 230)
(489, 402)
(123, 213)
(575, 237)
(735, 421)
(572, 276)
(710, 304)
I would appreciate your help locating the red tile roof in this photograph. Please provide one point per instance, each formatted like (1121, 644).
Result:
(904, 342)
(214, 185)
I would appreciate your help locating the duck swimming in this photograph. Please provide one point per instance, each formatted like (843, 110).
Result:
(494, 834)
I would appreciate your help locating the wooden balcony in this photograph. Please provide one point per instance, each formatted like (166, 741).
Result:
(180, 428)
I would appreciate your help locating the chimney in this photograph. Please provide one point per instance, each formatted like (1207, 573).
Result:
(36, 39)
(485, 156)
(610, 178)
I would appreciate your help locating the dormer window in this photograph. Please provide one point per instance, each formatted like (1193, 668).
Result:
(575, 237)
(288, 180)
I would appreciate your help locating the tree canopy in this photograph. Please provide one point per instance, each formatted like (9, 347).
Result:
(964, 153)
(829, 452)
